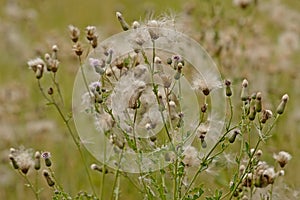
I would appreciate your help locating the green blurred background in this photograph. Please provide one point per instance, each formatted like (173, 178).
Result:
(253, 36)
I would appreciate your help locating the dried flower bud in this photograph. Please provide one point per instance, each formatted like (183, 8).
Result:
(48, 178)
(90, 32)
(74, 33)
(157, 60)
(152, 29)
(166, 80)
(205, 91)
(21, 159)
(242, 3)
(244, 93)
(282, 105)
(242, 169)
(37, 160)
(258, 153)
(228, 91)
(77, 49)
(266, 114)
(50, 91)
(94, 41)
(122, 21)
(282, 158)
(204, 108)
(98, 168)
(281, 173)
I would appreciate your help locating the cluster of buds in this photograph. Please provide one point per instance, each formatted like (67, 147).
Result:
(51, 60)
(38, 65)
(21, 159)
(91, 36)
(253, 103)
(177, 63)
(201, 132)
(260, 174)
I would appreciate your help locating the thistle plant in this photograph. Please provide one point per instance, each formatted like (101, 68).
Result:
(150, 106)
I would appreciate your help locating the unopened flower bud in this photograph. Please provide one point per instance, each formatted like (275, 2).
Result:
(48, 178)
(177, 75)
(37, 160)
(122, 21)
(252, 113)
(244, 93)
(169, 61)
(152, 29)
(55, 48)
(13, 161)
(228, 91)
(136, 25)
(203, 143)
(153, 138)
(258, 106)
(233, 136)
(47, 156)
(39, 71)
(109, 56)
(282, 105)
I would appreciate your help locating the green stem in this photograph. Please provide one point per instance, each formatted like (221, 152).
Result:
(57, 87)
(204, 163)
(84, 77)
(116, 176)
(75, 139)
(103, 172)
(175, 180)
(231, 113)
(36, 193)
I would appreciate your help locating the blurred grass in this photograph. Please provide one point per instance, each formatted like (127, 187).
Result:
(25, 37)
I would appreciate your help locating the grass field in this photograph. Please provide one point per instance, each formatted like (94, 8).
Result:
(260, 43)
